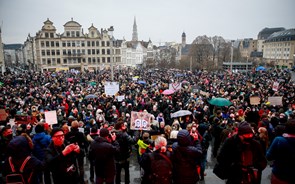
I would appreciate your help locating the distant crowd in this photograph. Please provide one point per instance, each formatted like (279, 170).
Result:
(178, 145)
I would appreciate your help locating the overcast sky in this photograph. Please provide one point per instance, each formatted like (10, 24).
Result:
(158, 20)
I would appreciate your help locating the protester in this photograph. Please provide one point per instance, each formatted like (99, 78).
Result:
(41, 142)
(18, 150)
(103, 150)
(282, 153)
(242, 157)
(91, 137)
(62, 159)
(157, 165)
(185, 157)
(76, 137)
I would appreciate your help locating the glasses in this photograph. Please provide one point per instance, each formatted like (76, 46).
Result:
(59, 136)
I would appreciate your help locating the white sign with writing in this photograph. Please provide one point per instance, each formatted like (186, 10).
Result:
(50, 117)
(111, 88)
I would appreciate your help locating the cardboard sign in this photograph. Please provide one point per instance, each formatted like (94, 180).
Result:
(254, 100)
(204, 93)
(275, 100)
(111, 88)
(140, 121)
(175, 86)
(3, 115)
(120, 98)
(275, 86)
(50, 117)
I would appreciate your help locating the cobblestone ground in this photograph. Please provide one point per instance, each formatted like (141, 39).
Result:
(210, 178)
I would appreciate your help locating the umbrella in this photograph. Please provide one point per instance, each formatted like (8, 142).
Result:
(92, 83)
(70, 79)
(168, 92)
(220, 102)
(260, 68)
(180, 113)
(141, 82)
(90, 96)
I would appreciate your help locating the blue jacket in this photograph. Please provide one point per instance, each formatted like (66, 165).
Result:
(41, 141)
(282, 152)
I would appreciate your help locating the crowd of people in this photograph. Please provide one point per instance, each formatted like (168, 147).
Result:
(244, 135)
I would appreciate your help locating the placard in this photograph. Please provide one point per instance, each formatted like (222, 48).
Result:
(254, 100)
(140, 121)
(120, 98)
(50, 117)
(275, 100)
(275, 86)
(3, 115)
(111, 88)
(175, 86)
(204, 93)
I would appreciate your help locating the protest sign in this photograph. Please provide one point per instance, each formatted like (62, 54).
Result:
(111, 88)
(175, 86)
(50, 117)
(254, 100)
(275, 100)
(275, 86)
(140, 121)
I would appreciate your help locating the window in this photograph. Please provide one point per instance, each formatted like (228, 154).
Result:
(82, 44)
(88, 43)
(47, 44)
(64, 44)
(52, 43)
(97, 51)
(64, 52)
(103, 51)
(43, 61)
(68, 33)
(108, 43)
(51, 35)
(97, 43)
(93, 51)
(77, 34)
(43, 52)
(48, 61)
(93, 60)
(72, 33)
(108, 51)
(68, 43)
(65, 61)
(88, 51)
(53, 61)
(42, 44)
(109, 59)
(102, 43)
(89, 60)
(103, 59)
(69, 52)
(93, 44)
(57, 52)
(78, 43)
(46, 35)
(73, 43)
(48, 52)
(92, 34)
(58, 61)
(53, 52)
(79, 60)
(98, 60)
(57, 44)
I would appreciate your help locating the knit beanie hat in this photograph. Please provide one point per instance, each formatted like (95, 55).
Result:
(244, 128)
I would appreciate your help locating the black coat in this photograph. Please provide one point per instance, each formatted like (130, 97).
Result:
(230, 156)
(58, 165)
(184, 159)
(104, 154)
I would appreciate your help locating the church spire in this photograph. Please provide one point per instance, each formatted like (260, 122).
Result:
(134, 34)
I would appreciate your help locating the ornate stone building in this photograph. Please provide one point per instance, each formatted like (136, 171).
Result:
(72, 49)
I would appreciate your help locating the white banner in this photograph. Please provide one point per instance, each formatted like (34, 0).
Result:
(111, 88)
(175, 86)
(50, 117)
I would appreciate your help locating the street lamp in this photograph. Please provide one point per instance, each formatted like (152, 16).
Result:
(232, 56)
(111, 29)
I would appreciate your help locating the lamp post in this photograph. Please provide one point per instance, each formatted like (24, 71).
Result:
(232, 56)
(111, 29)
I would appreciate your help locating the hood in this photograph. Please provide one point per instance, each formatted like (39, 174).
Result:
(184, 138)
(19, 147)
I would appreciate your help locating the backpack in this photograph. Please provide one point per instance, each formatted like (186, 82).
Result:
(161, 169)
(16, 177)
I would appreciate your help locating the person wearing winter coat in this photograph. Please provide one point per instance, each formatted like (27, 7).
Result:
(186, 154)
(242, 157)
(18, 149)
(41, 141)
(103, 150)
(90, 138)
(282, 152)
(61, 158)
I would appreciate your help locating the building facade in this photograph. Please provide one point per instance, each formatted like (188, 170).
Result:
(279, 49)
(2, 63)
(72, 49)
